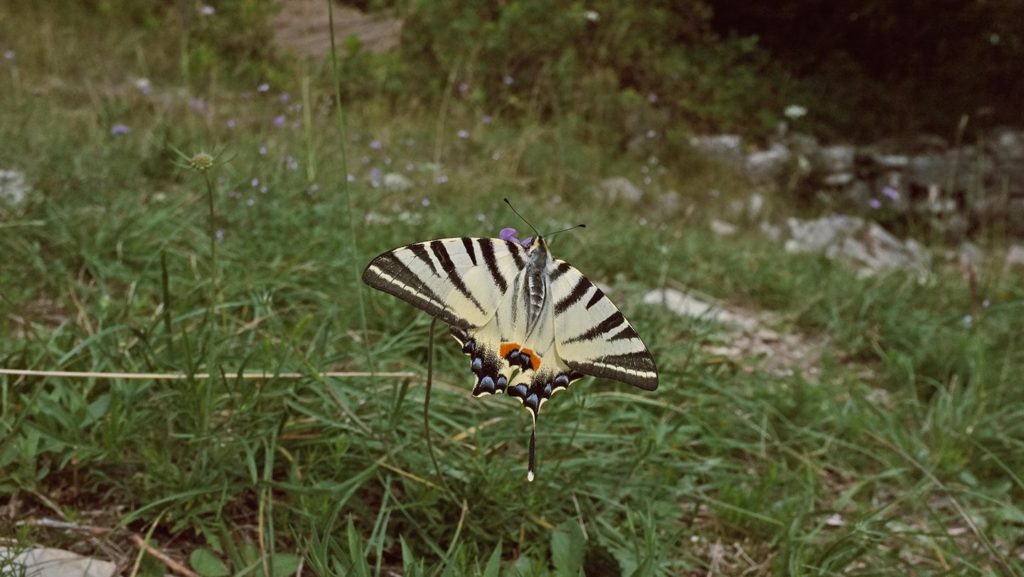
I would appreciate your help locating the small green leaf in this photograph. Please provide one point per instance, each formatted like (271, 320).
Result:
(206, 564)
(284, 564)
(356, 552)
(494, 563)
(567, 549)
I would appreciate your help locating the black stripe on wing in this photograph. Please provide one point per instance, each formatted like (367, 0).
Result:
(575, 295)
(635, 368)
(601, 329)
(487, 249)
(389, 274)
(439, 250)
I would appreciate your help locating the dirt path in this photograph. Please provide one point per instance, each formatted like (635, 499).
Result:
(302, 26)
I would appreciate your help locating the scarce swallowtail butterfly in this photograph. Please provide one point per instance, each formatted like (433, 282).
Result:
(531, 324)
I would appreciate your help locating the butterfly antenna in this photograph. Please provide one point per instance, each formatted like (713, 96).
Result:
(549, 236)
(521, 216)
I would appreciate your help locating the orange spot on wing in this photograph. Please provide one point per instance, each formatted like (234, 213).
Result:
(534, 359)
(507, 348)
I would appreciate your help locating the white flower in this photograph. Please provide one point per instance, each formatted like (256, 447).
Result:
(795, 111)
(592, 15)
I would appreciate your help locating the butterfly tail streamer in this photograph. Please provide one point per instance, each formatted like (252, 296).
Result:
(532, 466)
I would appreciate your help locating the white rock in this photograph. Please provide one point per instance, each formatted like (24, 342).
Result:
(1015, 256)
(863, 244)
(56, 563)
(722, 228)
(687, 305)
(768, 165)
(13, 187)
(837, 158)
(397, 182)
(620, 188)
(726, 148)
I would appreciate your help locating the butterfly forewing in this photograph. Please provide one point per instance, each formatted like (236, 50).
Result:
(592, 336)
(531, 324)
(458, 280)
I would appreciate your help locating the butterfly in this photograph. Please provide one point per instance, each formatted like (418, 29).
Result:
(531, 324)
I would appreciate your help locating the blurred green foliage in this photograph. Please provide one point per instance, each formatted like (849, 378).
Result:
(616, 70)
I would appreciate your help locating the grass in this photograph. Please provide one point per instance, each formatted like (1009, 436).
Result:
(901, 454)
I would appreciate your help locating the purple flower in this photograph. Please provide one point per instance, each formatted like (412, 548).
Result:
(255, 182)
(119, 129)
(279, 120)
(986, 303)
(463, 134)
(263, 87)
(652, 98)
(351, 178)
(509, 80)
(207, 10)
(8, 55)
(442, 178)
(874, 203)
(291, 163)
(509, 234)
(284, 98)
(425, 202)
(263, 150)
(487, 119)
(409, 167)
(375, 176)
(891, 193)
(652, 133)
(197, 104)
(464, 87)
(231, 123)
(376, 144)
(219, 234)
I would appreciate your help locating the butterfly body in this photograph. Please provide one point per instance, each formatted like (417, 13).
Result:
(530, 323)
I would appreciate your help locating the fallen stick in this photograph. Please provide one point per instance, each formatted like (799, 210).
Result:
(183, 376)
(162, 557)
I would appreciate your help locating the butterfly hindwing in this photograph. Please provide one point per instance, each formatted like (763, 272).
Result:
(531, 324)
(461, 281)
(592, 336)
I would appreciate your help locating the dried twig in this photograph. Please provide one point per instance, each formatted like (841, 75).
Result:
(162, 557)
(183, 376)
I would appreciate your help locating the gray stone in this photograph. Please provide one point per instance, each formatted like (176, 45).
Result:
(44, 562)
(688, 305)
(14, 187)
(1008, 145)
(1015, 256)
(836, 158)
(838, 179)
(890, 161)
(620, 188)
(725, 148)
(865, 245)
(722, 228)
(768, 165)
